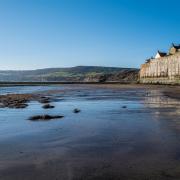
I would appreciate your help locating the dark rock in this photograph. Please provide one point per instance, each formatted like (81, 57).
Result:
(44, 100)
(18, 101)
(44, 117)
(76, 110)
(48, 106)
(15, 105)
(20, 106)
(15, 100)
(2, 106)
(124, 107)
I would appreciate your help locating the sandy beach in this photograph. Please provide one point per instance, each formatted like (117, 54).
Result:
(122, 132)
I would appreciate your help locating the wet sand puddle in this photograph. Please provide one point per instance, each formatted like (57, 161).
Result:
(118, 134)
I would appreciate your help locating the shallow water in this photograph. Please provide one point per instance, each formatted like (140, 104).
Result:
(27, 89)
(103, 141)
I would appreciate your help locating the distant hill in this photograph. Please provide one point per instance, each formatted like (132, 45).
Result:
(73, 74)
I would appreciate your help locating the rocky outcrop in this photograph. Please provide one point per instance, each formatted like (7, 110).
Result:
(126, 76)
(20, 101)
(44, 117)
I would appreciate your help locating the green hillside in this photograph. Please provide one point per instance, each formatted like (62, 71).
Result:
(79, 73)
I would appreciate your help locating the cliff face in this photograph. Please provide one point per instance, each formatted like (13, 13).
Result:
(127, 76)
(165, 70)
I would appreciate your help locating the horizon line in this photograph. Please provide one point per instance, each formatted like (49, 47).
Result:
(65, 67)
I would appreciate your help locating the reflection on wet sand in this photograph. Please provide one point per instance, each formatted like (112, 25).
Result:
(162, 104)
(103, 142)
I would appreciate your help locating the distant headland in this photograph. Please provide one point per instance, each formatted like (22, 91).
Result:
(78, 74)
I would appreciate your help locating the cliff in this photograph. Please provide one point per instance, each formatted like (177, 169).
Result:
(164, 69)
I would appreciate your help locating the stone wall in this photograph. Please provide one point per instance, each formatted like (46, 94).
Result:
(165, 70)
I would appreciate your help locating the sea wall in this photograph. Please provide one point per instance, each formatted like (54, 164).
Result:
(165, 70)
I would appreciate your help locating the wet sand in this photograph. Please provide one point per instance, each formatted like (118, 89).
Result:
(103, 142)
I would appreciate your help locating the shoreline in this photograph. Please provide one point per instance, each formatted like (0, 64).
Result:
(104, 141)
(113, 83)
(2, 84)
(21, 100)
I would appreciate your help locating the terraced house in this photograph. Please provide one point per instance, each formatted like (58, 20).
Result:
(164, 68)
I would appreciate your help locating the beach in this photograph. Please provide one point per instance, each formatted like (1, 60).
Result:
(121, 132)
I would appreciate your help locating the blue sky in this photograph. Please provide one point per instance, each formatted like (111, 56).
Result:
(63, 33)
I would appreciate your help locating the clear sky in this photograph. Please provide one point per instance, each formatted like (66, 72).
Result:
(63, 33)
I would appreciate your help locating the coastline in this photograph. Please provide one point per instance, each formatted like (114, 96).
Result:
(59, 83)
